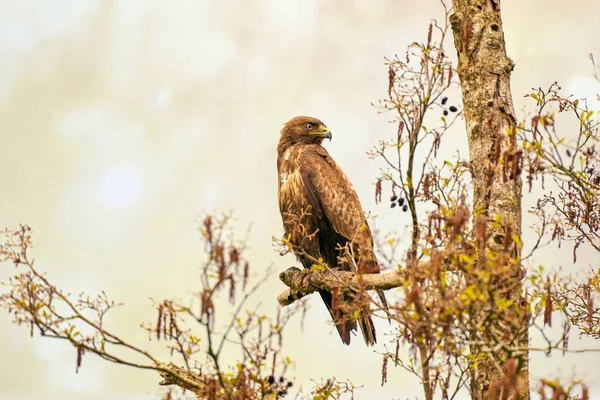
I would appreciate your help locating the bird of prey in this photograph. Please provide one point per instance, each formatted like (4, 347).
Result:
(324, 221)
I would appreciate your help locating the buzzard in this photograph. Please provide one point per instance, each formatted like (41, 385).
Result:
(324, 221)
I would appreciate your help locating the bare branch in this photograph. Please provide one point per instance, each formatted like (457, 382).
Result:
(301, 283)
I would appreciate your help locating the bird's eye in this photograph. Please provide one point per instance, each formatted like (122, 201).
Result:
(310, 127)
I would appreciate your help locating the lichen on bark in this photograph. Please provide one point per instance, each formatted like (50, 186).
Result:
(484, 71)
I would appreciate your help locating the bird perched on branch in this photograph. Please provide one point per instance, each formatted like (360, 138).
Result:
(324, 222)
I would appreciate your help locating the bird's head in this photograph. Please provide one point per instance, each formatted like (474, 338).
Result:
(305, 130)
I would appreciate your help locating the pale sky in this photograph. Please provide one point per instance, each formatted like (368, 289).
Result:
(121, 121)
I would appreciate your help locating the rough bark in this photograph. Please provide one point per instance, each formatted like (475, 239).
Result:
(484, 70)
(301, 283)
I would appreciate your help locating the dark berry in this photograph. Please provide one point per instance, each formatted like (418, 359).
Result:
(271, 379)
(281, 379)
(290, 384)
(568, 153)
(405, 208)
(445, 112)
(394, 197)
(453, 108)
(444, 100)
(401, 202)
(393, 205)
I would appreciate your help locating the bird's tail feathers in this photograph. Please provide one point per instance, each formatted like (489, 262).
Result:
(367, 328)
(346, 321)
(384, 305)
(343, 324)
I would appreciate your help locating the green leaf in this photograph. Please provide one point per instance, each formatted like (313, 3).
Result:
(503, 304)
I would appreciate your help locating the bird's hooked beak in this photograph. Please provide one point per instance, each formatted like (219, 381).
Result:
(325, 133)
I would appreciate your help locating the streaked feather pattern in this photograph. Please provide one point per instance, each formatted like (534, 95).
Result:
(321, 212)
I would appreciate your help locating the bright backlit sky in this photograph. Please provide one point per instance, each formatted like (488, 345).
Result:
(122, 120)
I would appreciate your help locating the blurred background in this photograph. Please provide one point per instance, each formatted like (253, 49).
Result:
(122, 120)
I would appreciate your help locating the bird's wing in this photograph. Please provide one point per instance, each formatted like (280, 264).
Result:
(331, 193)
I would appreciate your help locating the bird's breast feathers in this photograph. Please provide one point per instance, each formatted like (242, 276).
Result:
(292, 194)
(290, 183)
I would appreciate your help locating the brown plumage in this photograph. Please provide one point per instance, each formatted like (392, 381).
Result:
(323, 219)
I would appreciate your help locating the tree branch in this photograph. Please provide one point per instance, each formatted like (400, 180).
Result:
(303, 282)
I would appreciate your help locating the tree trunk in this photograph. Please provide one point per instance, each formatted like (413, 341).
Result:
(484, 71)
